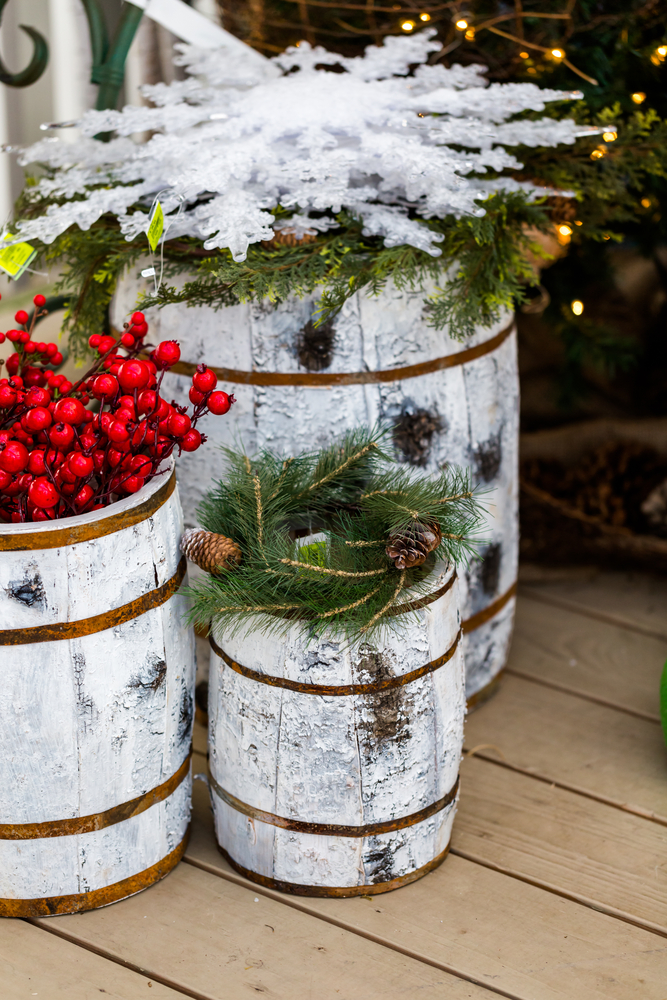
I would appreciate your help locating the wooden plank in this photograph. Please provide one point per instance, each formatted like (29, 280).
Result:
(217, 940)
(523, 941)
(578, 744)
(635, 600)
(586, 850)
(36, 964)
(578, 653)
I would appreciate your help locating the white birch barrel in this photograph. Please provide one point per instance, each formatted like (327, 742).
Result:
(297, 386)
(334, 768)
(95, 705)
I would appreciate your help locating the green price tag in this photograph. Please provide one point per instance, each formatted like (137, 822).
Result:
(15, 258)
(156, 227)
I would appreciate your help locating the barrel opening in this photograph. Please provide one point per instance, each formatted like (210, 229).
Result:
(413, 433)
(315, 345)
(29, 591)
(488, 458)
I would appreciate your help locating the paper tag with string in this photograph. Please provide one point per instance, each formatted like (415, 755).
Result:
(14, 259)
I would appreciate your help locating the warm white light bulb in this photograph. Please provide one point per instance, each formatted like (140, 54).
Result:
(577, 307)
(462, 24)
(408, 25)
(557, 53)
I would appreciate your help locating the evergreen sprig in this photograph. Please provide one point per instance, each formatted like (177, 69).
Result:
(352, 496)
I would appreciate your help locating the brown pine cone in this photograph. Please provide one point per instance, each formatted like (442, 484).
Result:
(287, 238)
(410, 546)
(210, 551)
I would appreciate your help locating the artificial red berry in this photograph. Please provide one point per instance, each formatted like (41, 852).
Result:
(41, 347)
(30, 348)
(38, 418)
(219, 402)
(127, 340)
(127, 403)
(140, 330)
(138, 462)
(179, 424)
(99, 460)
(105, 344)
(196, 396)
(137, 317)
(42, 493)
(51, 349)
(13, 456)
(12, 364)
(133, 484)
(94, 340)
(36, 462)
(5, 479)
(81, 465)
(39, 301)
(54, 458)
(204, 379)
(24, 337)
(55, 381)
(34, 376)
(21, 316)
(7, 396)
(191, 441)
(133, 375)
(38, 397)
(70, 411)
(166, 354)
(2, 338)
(105, 387)
(84, 496)
(118, 432)
(115, 457)
(65, 475)
(61, 435)
(13, 335)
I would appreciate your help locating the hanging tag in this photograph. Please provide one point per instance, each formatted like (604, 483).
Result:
(14, 259)
(156, 227)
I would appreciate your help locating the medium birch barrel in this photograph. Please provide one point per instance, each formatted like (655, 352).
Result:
(334, 767)
(95, 705)
(298, 385)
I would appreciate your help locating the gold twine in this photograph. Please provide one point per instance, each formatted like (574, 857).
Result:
(333, 572)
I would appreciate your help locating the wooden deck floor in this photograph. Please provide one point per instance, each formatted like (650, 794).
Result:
(556, 886)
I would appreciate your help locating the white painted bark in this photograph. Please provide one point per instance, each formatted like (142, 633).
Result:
(89, 723)
(477, 403)
(347, 760)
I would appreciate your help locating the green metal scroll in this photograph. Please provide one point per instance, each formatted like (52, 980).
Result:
(108, 70)
(36, 66)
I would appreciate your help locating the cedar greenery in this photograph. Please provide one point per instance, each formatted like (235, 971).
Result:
(342, 584)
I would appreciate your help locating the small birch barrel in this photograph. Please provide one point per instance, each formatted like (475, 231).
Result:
(298, 385)
(95, 705)
(334, 768)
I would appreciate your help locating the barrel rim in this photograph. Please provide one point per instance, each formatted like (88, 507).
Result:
(96, 523)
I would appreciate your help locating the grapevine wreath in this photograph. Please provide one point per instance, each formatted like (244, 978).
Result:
(329, 541)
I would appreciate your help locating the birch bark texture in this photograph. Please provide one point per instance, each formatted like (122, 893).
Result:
(96, 704)
(334, 768)
(297, 386)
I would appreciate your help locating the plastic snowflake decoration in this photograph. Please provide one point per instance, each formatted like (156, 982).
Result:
(310, 131)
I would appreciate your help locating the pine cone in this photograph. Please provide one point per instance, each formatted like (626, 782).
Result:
(410, 546)
(287, 237)
(210, 551)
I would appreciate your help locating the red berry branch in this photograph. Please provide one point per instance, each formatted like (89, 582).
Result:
(66, 448)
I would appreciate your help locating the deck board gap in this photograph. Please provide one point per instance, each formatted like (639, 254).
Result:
(295, 903)
(117, 960)
(577, 693)
(609, 618)
(573, 897)
(576, 789)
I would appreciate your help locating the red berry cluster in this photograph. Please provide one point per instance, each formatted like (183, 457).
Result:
(58, 457)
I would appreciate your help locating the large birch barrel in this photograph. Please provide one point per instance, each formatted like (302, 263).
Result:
(298, 385)
(334, 767)
(95, 705)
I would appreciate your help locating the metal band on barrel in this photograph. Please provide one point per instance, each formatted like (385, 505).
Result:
(98, 623)
(351, 378)
(97, 821)
(47, 539)
(340, 892)
(490, 611)
(336, 690)
(333, 829)
(49, 906)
